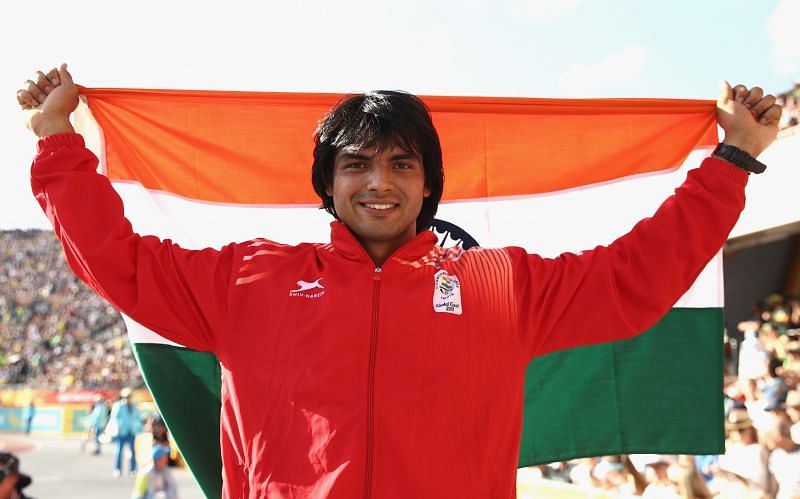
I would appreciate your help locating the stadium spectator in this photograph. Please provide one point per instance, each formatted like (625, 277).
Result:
(123, 426)
(784, 461)
(690, 483)
(11, 480)
(155, 481)
(98, 419)
(792, 408)
(791, 112)
(158, 428)
(744, 456)
(771, 387)
(660, 484)
(27, 415)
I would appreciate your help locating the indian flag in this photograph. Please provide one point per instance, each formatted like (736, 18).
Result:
(207, 168)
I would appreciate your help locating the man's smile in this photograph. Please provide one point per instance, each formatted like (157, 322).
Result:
(378, 206)
(381, 208)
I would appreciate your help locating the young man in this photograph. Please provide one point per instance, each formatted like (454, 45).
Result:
(341, 377)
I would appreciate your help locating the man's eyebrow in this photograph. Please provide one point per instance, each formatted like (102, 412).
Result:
(344, 156)
(352, 155)
(404, 155)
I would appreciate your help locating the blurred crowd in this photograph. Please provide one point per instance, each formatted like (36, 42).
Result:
(54, 331)
(791, 111)
(762, 408)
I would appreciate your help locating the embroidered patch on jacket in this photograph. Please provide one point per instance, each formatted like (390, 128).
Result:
(446, 293)
(307, 289)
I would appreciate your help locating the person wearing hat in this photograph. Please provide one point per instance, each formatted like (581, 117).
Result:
(744, 456)
(155, 481)
(784, 462)
(125, 424)
(11, 480)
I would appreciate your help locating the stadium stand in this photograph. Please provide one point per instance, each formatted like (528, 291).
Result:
(54, 331)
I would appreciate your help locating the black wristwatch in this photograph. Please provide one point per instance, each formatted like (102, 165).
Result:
(739, 158)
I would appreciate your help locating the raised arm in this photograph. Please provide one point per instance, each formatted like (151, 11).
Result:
(618, 291)
(178, 293)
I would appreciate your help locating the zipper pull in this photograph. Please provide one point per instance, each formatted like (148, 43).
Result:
(378, 271)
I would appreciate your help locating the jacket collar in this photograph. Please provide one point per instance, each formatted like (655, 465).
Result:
(346, 244)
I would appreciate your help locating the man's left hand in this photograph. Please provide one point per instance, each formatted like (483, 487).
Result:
(749, 118)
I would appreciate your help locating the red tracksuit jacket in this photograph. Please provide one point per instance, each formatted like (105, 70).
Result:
(342, 380)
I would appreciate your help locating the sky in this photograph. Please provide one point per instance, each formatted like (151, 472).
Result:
(521, 48)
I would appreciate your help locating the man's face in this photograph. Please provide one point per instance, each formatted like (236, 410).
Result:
(378, 194)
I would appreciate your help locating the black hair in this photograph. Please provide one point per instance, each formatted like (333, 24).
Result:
(379, 119)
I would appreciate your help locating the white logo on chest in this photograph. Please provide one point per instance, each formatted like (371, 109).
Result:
(307, 289)
(446, 293)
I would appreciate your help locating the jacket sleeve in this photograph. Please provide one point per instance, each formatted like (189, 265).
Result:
(617, 291)
(178, 293)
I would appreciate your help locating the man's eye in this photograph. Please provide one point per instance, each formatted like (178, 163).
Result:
(356, 165)
(403, 166)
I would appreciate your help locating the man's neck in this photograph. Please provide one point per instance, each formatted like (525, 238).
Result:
(380, 252)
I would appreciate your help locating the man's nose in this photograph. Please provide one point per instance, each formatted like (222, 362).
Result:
(379, 179)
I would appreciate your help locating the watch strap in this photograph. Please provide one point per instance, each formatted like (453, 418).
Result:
(740, 158)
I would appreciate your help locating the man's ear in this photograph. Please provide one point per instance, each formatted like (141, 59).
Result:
(427, 192)
(329, 190)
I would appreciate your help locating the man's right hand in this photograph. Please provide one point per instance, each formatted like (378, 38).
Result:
(47, 102)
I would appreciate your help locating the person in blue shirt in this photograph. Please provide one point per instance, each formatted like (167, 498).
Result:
(27, 416)
(98, 419)
(125, 423)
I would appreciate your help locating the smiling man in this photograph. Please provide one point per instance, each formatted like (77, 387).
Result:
(378, 195)
(380, 364)
(378, 168)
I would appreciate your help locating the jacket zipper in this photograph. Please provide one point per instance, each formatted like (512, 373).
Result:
(373, 350)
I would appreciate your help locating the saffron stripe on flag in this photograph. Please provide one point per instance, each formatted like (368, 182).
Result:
(219, 146)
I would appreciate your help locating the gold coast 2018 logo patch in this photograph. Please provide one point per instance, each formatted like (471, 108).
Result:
(446, 293)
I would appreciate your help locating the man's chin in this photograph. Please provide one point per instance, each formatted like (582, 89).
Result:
(379, 233)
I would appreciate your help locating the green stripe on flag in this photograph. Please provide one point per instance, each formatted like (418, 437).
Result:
(660, 392)
(186, 387)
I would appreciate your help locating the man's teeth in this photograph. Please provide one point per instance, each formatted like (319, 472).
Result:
(378, 206)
